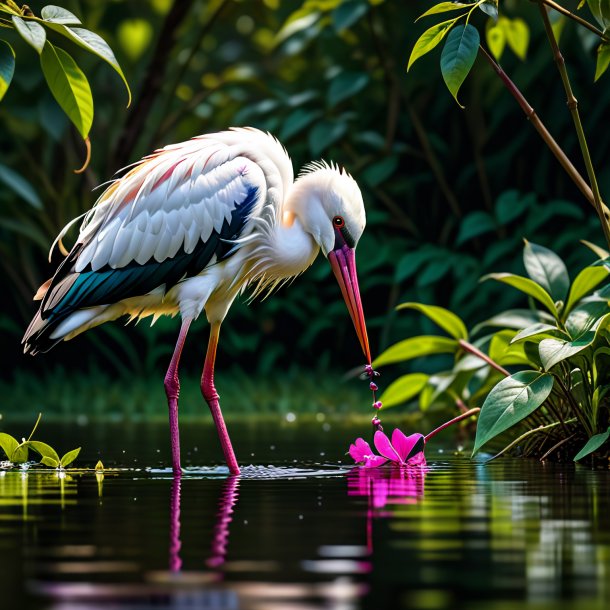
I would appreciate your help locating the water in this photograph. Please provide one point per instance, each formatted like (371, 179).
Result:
(304, 534)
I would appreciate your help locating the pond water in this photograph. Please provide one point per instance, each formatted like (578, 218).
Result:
(300, 529)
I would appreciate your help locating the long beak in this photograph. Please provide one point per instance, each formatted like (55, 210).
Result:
(343, 262)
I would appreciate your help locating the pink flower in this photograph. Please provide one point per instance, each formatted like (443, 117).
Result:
(402, 451)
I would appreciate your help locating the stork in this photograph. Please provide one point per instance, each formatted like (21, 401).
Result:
(190, 227)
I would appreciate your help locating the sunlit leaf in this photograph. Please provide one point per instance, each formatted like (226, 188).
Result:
(69, 457)
(443, 7)
(446, 319)
(584, 283)
(49, 461)
(593, 444)
(20, 186)
(8, 444)
(69, 87)
(546, 269)
(586, 316)
(536, 330)
(134, 36)
(416, 347)
(553, 351)
(429, 39)
(504, 352)
(57, 14)
(601, 11)
(458, 56)
(496, 39)
(44, 450)
(33, 33)
(527, 286)
(403, 389)
(510, 401)
(517, 35)
(513, 318)
(603, 59)
(94, 44)
(7, 67)
(490, 7)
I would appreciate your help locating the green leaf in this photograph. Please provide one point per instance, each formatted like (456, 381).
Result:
(527, 286)
(458, 56)
(511, 204)
(593, 444)
(69, 87)
(67, 459)
(546, 269)
(380, 171)
(513, 318)
(94, 44)
(20, 454)
(510, 401)
(474, 224)
(443, 7)
(603, 59)
(57, 14)
(49, 461)
(134, 36)
(601, 12)
(535, 330)
(553, 351)
(7, 67)
(496, 39)
(348, 13)
(33, 33)
(503, 351)
(585, 317)
(584, 283)
(324, 134)
(20, 186)
(490, 7)
(8, 444)
(296, 121)
(346, 85)
(446, 319)
(403, 389)
(44, 450)
(517, 35)
(429, 39)
(415, 347)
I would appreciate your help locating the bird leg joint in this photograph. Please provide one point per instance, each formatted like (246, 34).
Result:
(172, 386)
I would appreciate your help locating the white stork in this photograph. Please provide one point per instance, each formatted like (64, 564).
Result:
(190, 227)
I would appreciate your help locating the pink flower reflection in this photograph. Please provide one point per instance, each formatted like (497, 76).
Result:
(387, 486)
(402, 450)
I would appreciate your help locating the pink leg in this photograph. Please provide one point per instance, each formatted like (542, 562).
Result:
(211, 396)
(172, 389)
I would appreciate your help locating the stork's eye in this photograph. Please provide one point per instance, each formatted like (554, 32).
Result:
(338, 222)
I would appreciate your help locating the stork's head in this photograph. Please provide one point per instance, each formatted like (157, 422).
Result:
(334, 215)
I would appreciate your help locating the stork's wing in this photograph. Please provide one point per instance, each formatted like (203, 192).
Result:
(172, 215)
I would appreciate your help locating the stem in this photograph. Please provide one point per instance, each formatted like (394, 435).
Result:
(573, 106)
(556, 446)
(575, 407)
(539, 126)
(34, 428)
(580, 20)
(468, 347)
(455, 420)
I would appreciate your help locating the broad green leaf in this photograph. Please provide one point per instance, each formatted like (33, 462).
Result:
(296, 121)
(583, 284)
(429, 39)
(415, 347)
(510, 401)
(446, 319)
(94, 44)
(527, 286)
(20, 186)
(33, 33)
(586, 316)
(403, 389)
(474, 224)
(44, 450)
(20, 454)
(511, 204)
(8, 444)
(593, 444)
(7, 67)
(57, 14)
(69, 87)
(490, 7)
(496, 39)
(547, 269)
(443, 7)
(557, 25)
(535, 330)
(517, 35)
(506, 353)
(380, 171)
(458, 56)
(134, 36)
(345, 85)
(324, 134)
(514, 318)
(69, 457)
(348, 13)
(601, 12)
(553, 351)
(603, 59)
(49, 461)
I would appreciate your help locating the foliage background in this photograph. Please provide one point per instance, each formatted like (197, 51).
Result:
(449, 193)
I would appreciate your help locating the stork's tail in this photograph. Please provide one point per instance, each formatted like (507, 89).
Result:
(37, 337)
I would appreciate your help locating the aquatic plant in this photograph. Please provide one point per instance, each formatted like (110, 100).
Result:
(18, 452)
(544, 374)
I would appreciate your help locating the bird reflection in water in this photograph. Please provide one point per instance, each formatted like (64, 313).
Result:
(229, 495)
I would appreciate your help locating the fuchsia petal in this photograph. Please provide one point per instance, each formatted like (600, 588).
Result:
(383, 445)
(404, 445)
(374, 461)
(417, 460)
(360, 450)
